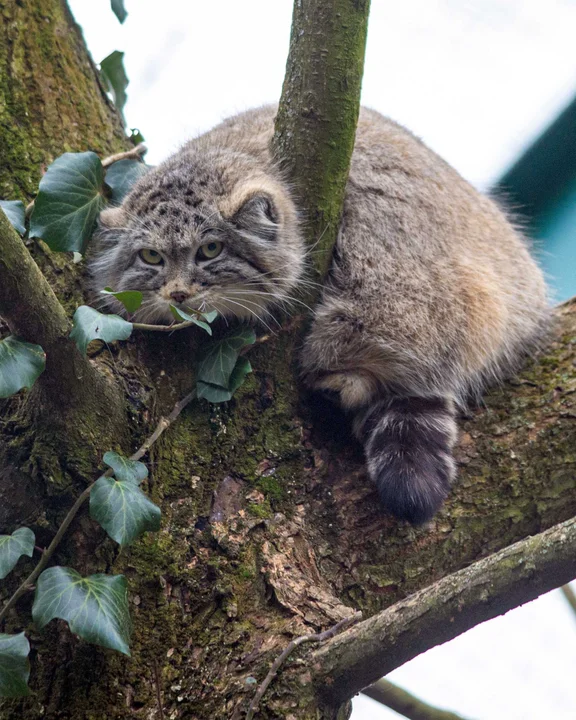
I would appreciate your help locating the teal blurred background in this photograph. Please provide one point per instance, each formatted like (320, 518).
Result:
(541, 187)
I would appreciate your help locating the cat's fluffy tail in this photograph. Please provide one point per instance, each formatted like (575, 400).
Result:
(408, 445)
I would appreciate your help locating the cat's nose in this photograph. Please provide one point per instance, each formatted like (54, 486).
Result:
(179, 295)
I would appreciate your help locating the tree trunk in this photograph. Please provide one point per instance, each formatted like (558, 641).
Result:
(270, 528)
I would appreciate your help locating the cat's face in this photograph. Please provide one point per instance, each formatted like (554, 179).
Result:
(189, 236)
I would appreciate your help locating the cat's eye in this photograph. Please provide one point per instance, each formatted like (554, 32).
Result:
(210, 250)
(151, 257)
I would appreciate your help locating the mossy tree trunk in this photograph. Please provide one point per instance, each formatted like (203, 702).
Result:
(270, 527)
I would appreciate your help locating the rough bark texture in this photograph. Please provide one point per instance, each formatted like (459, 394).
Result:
(50, 98)
(70, 395)
(50, 102)
(318, 112)
(270, 527)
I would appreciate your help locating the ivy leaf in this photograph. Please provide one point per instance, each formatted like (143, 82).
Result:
(12, 547)
(241, 369)
(14, 665)
(20, 365)
(126, 470)
(182, 316)
(70, 196)
(115, 78)
(119, 10)
(210, 316)
(89, 324)
(131, 299)
(217, 394)
(16, 213)
(218, 358)
(136, 136)
(221, 369)
(122, 175)
(122, 509)
(95, 607)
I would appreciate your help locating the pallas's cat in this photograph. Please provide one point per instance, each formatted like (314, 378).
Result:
(431, 296)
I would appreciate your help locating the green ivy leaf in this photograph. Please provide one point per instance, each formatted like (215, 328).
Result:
(136, 136)
(70, 196)
(119, 10)
(114, 77)
(182, 316)
(95, 607)
(217, 394)
(12, 547)
(210, 316)
(20, 365)
(126, 470)
(14, 665)
(241, 369)
(221, 370)
(122, 509)
(16, 213)
(122, 175)
(218, 358)
(89, 324)
(131, 299)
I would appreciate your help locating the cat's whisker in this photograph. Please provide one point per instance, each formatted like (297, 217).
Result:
(301, 281)
(219, 311)
(274, 297)
(254, 313)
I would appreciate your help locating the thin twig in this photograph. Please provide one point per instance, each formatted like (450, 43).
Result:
(570, 596)
(162, 328)
(402, 702)
(158, 689)
(316, 638)
(136, 153)
(162, 425)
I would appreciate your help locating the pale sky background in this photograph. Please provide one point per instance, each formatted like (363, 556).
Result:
(478, 80)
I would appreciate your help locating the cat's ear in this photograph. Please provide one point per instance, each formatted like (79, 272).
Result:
(258, 216)
(113, 217)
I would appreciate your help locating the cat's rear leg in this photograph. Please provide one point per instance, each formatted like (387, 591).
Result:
(408, 445)
(355, 389)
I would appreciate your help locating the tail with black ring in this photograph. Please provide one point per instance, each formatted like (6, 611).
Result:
(408, 444)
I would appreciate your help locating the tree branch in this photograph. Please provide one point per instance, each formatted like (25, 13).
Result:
(488, 588)
(33, 312)
(570, 596)
(402, 702)
(318, 112)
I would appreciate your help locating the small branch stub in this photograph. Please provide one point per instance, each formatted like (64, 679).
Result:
(284, 655)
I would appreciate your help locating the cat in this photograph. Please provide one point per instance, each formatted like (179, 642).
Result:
(432, 293)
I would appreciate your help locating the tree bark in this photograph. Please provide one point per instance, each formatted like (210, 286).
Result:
(318, 113)
(270, 527)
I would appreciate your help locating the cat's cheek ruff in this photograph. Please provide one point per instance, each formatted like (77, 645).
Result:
(408, 446)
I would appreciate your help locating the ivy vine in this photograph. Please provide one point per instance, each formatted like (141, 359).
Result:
(71, 194)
